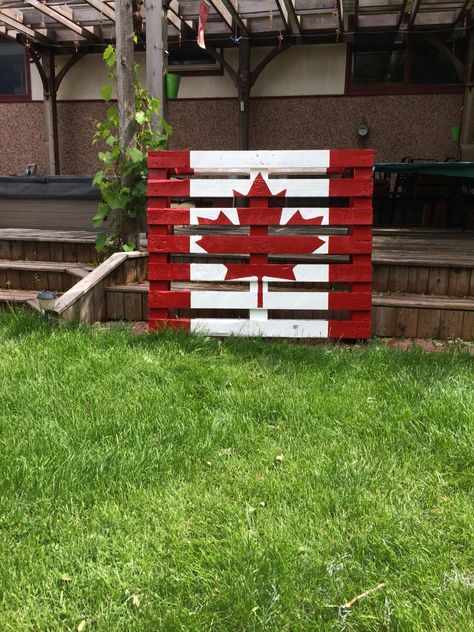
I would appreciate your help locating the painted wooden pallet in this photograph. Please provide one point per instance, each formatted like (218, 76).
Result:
(340, 184)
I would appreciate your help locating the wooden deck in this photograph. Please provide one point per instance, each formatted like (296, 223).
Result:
(423, 279)
(417, 246)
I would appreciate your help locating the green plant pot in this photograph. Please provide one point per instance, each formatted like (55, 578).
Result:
(172, 85)
(455, 131)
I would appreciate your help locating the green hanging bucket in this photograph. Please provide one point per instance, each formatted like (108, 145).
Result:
(455, 131)
(172, 85)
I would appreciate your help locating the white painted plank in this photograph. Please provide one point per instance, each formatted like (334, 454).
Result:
(210, 299)
(295, 159)
(268, 328)
(310, 273)
(293, 187)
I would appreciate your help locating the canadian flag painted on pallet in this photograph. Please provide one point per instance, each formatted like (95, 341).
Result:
(270, 176)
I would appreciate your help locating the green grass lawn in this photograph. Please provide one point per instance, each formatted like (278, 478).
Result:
(140, 488)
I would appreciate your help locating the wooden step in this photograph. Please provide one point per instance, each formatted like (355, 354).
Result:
(41, 245)
(422, 316)
(40, 275)
(27, 298)
(74, 246)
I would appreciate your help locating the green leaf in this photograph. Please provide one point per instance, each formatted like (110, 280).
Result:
(140, 117)
(101, 241)
(135, 38)
(110, 56)
(106, 92)
(112, 115)
(98, 178)
(105, 157)
(100, 216)
(111, 140)
(135, 154)
(128, 247)
(168, 129)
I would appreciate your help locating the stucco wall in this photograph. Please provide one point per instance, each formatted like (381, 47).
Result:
(415, 125)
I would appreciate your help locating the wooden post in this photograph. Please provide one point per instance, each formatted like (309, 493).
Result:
(156, 44)
(126, 99)
(467, 131)
(244, 79)
(51, 112)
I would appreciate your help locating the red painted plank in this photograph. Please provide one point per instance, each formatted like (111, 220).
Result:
(173, 298)
(351, 158)
(349, 329)
(350, 300)
(169, 159)
(347, 187)
(338, 272)
(261, 244)
(177, 324)
(344, 187)
(257, 217)
(168, 188)
(182, 299)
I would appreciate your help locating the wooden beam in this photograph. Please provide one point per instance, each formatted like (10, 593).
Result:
(222, 11)
(51, 113)
(103, 8)
(51, 12)
(23, 28)
(282, 8)
(126, 99)
(155, 51)
(340, 16)
(412, 18)
(231, 6)
(467, 135)
(245, 77)
(177, 20)
(356, 15)
(401, 15)
(293, 19)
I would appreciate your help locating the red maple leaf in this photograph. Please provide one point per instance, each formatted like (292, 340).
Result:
(259, 188)
(220, 219)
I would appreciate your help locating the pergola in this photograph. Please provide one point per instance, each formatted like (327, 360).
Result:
(79, 27)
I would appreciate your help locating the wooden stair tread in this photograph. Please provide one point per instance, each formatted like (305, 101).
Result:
(423, 301)
(44, 266)
(17, 296)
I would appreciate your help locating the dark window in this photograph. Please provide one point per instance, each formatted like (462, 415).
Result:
(377, 65)
(430, 65)
(398, 66)
(186, 61)
(13, 71)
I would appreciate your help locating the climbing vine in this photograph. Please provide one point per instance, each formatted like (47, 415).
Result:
(122, 180)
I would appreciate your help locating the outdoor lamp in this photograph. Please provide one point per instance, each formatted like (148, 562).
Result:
(363, 130)
(46, 300)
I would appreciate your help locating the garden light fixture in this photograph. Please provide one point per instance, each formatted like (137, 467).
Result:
(46, 300)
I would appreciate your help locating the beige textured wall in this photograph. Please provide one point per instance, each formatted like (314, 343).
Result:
(308, 70)
(416, 125)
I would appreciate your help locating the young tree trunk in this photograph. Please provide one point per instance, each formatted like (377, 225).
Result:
(126, 101)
